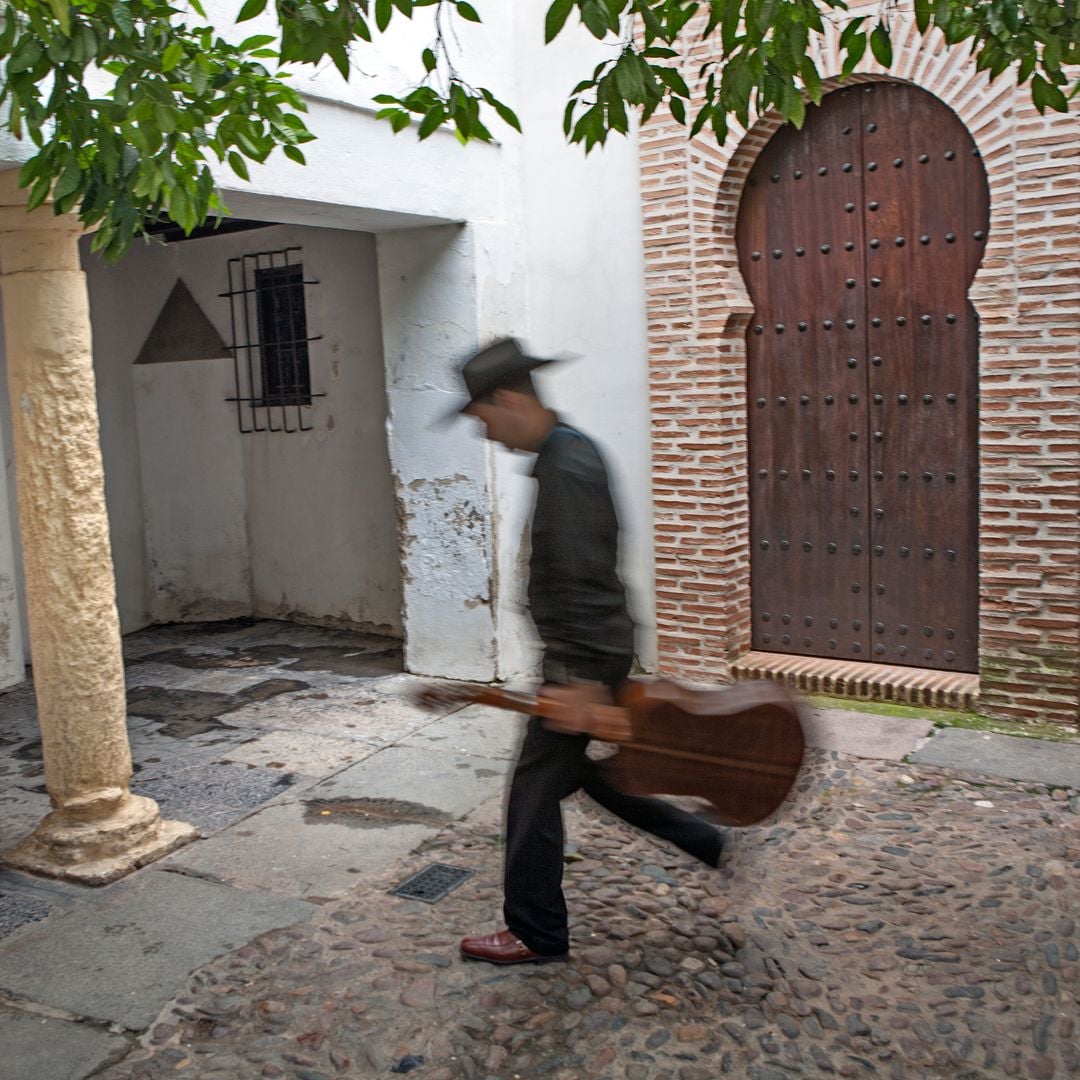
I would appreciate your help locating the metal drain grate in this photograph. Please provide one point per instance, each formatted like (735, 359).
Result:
(432, 883)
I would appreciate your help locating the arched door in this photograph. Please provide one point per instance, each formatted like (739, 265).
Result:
(858, 237)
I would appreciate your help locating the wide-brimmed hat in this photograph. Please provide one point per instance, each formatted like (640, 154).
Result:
(497, 365)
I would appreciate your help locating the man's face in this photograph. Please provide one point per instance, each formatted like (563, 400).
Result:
(501, 418)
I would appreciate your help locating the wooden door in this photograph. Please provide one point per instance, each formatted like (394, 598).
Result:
(858, 237)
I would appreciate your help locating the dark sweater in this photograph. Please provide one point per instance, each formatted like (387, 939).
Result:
(576, 597)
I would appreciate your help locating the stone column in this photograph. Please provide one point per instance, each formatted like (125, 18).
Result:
(97, 830)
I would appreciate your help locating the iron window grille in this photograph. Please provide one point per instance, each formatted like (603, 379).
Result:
(268, 319)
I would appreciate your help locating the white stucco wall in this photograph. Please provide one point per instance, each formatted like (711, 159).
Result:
(317, 509)
(194, 499)
(525, 237)
(12, 612)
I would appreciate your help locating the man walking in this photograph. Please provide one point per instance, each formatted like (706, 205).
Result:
(578, 604)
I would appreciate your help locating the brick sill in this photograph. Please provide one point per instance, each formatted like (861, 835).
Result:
(874, 682)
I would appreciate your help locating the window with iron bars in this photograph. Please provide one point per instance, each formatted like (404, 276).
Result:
(268, 317)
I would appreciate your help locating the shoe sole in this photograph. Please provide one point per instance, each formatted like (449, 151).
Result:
(524, 960)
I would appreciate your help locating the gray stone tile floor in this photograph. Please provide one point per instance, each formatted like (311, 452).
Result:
(317, 785)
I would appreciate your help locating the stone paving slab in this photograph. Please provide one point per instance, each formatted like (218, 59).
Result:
(1003, 755)
(292, 849)
(213, 795)
(349, 711)
(126, 947)
(25, 899)
(323, 840)
(887, 738)
(477, 730)
(47, 1048)
(21, 808)
(299, 751)
(169, 677)
(450, 784)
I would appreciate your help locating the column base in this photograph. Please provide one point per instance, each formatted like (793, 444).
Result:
(98, 852)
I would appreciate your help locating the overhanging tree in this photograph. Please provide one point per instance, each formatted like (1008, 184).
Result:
(128, 102)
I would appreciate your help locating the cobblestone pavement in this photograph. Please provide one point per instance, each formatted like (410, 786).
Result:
(896, 922)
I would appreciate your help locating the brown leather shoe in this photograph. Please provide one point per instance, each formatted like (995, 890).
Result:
(503, 948)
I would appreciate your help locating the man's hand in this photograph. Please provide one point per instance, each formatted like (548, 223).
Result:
(584, 709)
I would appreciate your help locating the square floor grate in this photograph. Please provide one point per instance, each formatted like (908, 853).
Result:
(432, 883)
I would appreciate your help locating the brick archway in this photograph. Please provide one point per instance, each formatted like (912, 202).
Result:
(698, 310)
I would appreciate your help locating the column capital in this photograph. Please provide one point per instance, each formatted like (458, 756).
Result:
(34, 240)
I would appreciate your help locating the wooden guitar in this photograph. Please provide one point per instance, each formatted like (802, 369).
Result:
(740, 747)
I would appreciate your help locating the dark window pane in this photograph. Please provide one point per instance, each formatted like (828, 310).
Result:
(286, 378)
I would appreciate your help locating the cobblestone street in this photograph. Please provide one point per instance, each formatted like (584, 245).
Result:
(899, 921)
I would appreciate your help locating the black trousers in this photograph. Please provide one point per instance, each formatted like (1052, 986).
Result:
(551, 767)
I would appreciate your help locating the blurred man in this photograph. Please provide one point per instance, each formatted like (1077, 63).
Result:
(578, 604)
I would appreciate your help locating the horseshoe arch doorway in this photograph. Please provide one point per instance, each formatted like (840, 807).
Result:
(858, 238)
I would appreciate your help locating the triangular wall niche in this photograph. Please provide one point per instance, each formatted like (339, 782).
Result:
(181, 332)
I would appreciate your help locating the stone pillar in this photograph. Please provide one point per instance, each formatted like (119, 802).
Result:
(97, 830)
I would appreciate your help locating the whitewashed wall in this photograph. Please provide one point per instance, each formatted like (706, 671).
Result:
(524, 237)
(304, 525)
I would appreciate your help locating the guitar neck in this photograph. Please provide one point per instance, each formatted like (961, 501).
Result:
(506, 699)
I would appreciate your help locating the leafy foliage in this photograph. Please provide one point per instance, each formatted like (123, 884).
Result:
(760, 54)
(128, 102)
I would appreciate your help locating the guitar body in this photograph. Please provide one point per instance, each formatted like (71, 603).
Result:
(740, 747)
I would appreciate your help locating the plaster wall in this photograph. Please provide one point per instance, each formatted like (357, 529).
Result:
(585, 276)
(194, 499)
(282, 525)
(526, 236)
(429, 285)
(12, 610)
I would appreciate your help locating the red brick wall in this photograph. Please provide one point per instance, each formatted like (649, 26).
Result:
(1027, 293)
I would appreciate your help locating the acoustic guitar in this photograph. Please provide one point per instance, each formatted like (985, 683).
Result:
(739, 747)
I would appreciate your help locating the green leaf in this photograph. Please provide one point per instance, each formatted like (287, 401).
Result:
(29, 171)
(239, 165)
(856, 49)
(628, 78)
(256, 41)
(595, 19)
(432, 121)
(341, 59)
(467, 11)
(69, 181)
(811, 79)
(383, 13)
(172, 56)
(701, 119)
(165, 116)
(507, 115)
(793, 107)
(678, 110)
(1047, 96)
(26, 54)
(881, 45)
(61, 9)
(923, 11)
(122, 19)
(850, 31)
(294, 153)
(556, 18)
(39, 192)
(250, 9)
(429, 60)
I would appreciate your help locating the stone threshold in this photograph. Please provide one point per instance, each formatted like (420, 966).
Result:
(870, 682)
